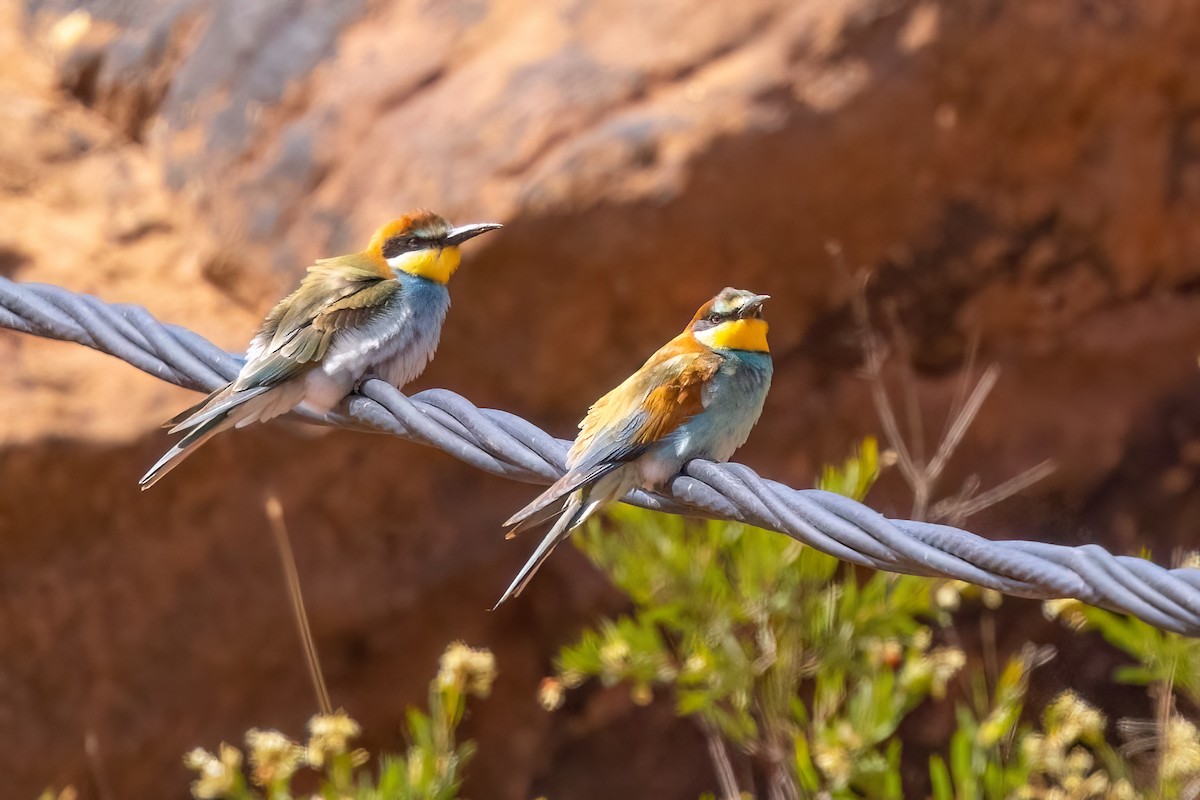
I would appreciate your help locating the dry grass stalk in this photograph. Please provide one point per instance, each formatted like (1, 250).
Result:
(284, 545)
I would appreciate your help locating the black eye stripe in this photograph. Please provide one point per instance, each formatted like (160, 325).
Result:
(715, 318)
(710, 320)
(409, 242)
(404, 244)
(397, 245)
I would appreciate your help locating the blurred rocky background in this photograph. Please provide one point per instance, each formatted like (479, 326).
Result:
(1024, 174)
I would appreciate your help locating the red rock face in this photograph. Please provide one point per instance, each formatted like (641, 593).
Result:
(1028, 174)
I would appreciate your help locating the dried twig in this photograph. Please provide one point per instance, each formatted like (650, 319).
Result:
(721, 763)
(962, 422)
(283, 544)
(964, 383)
(874, 357)
(922, 476)
(908, 381)
(780, 785)
(956, 510)
(1162, 718)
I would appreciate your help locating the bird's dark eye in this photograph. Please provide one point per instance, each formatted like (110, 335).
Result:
(399, 244)
(714, 318)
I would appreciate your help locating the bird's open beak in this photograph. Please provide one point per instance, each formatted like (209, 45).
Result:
(753, 305)
(463, 232)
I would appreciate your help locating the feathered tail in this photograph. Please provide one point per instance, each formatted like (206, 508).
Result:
(184, 448)
(221, 410)
(542, 506)
(588, 493)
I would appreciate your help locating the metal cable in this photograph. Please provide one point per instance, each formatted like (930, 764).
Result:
(504, 444)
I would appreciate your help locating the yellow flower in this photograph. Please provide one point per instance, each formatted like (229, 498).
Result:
(833, 761)
(219, 774)
(1079, 761)
(948, 596)
(1070, 719)
(551, 693)
(1123, 790)
(885, 653)
(1181, 750)
(992, 598)
(329, 735)
(1068, 610)
(695, 664)
(614, 655)
(467, 669)
(945, 663)
(273, 756)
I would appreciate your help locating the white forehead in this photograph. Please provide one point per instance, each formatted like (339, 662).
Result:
(433, 228)
(730, 300)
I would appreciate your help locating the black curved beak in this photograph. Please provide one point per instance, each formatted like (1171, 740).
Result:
(463, 232)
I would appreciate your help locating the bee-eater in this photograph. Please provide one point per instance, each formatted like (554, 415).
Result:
(374, 313)
(697, 397)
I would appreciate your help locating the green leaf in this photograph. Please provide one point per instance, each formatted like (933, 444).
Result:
(939, 779)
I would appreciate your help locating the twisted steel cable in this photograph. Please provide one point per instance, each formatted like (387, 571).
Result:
(504, 444)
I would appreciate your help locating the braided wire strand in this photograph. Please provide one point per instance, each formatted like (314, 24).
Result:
(504, 444)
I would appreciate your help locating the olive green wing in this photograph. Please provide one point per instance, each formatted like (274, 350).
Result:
(299, 342)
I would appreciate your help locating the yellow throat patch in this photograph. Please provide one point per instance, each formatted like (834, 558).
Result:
(738, 334)
(435, 264)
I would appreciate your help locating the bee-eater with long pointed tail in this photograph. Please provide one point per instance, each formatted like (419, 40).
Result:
(378, 312)
(697, 397)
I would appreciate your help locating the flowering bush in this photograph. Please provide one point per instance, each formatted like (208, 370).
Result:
(799, 671)
(431, 769)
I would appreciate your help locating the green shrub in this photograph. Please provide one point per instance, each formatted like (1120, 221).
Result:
(798, 661)
(807, 667)
(431, 769)
(795, 666)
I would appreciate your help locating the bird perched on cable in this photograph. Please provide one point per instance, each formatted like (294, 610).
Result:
(378, 312)
(697, 397)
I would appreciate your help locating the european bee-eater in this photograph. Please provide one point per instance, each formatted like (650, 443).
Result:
(697, 397)
(374, 313)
